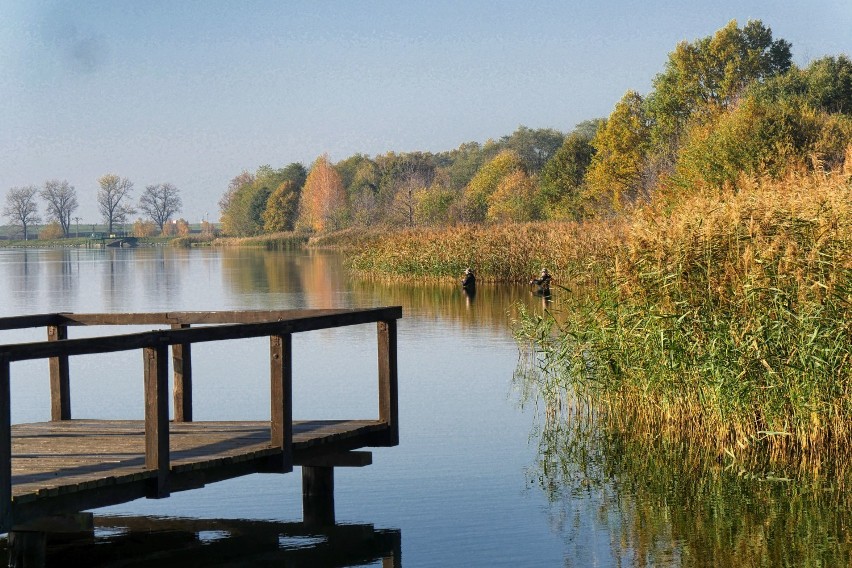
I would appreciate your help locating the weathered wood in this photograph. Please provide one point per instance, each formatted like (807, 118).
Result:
(127, 342)
(60, 385)
(157, 417)
(338, 459)
(318, 496)
(32, 320)
(281, 377)
(27, 549)
(73, 523)
(5, 445)
(65, 466)
(182, 365)
(388, 383)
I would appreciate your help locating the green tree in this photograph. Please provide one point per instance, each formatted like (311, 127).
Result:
(706, 76)
(534, 147)
(826, 85)
(434, 205)
(232, 205)
(762, 138)
(615, 175)
(562, 179)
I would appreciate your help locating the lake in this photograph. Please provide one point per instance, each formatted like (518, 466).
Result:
(481, 477)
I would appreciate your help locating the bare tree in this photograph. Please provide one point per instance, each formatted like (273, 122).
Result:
(113, 191)
(160, 202)
(61, 201)
(21, 208)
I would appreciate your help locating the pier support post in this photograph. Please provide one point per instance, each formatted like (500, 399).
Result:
(182, 365)
(318, 495)
(60, 384)
(27, 549)
(156, 368)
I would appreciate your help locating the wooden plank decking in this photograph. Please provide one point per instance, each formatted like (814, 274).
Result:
(56, 458)
(65, 466)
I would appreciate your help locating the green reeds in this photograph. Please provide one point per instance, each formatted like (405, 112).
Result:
(727, 317)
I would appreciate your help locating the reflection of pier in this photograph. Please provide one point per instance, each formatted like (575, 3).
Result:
(170, 542)
(65, 466)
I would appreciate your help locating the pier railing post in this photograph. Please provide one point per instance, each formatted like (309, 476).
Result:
(281, 378)
(388, 404)
(60, 385)
(5, 445)
(157, 417)
(182, 363)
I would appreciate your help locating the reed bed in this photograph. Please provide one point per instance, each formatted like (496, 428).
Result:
(273, 241)
(497, 253)
(725, 317)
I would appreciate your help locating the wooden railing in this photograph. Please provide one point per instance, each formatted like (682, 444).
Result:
(214, 326)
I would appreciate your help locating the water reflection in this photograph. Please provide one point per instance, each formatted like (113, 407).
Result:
(660, 502)
(177, 542)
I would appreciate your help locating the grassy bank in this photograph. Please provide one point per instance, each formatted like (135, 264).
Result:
(725, 318)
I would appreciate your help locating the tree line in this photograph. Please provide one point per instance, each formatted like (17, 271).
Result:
(159, 202)
(725, 106)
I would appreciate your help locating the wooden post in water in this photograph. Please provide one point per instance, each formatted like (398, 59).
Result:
(5, 445)
(281, 379)
(60, 385)
(388, 405)
(318, 496)
(182, 363)
(157, 417)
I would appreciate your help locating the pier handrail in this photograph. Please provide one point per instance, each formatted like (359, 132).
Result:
(216, 326)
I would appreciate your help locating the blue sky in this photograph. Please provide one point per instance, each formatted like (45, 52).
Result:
(192, 93)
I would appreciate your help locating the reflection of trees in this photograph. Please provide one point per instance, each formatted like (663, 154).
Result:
(323, 281)
(60, 269)
(664, 502)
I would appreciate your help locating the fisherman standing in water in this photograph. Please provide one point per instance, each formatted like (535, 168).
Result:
(543, 282)
(469, 280)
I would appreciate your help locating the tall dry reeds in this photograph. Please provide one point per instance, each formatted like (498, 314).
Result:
(726, 317)
(497, 253)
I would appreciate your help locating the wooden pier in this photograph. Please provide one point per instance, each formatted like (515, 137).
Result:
(66, 465)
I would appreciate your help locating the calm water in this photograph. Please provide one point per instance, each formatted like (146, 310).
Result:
(477, 480)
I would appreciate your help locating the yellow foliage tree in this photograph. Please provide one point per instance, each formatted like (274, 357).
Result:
(323, 203)
(514, 200)
(621, 144)
(485, 182)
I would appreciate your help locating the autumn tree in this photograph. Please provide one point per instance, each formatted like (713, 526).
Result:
(621, 145)
(282, 208)
(323, 203)
(160, 201)
(113, 195)
(514, 199)
(21, 208)
(61, 200)
(485, 182)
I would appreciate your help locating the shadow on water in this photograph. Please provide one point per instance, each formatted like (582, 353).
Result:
(176, 542)
(664, 502)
